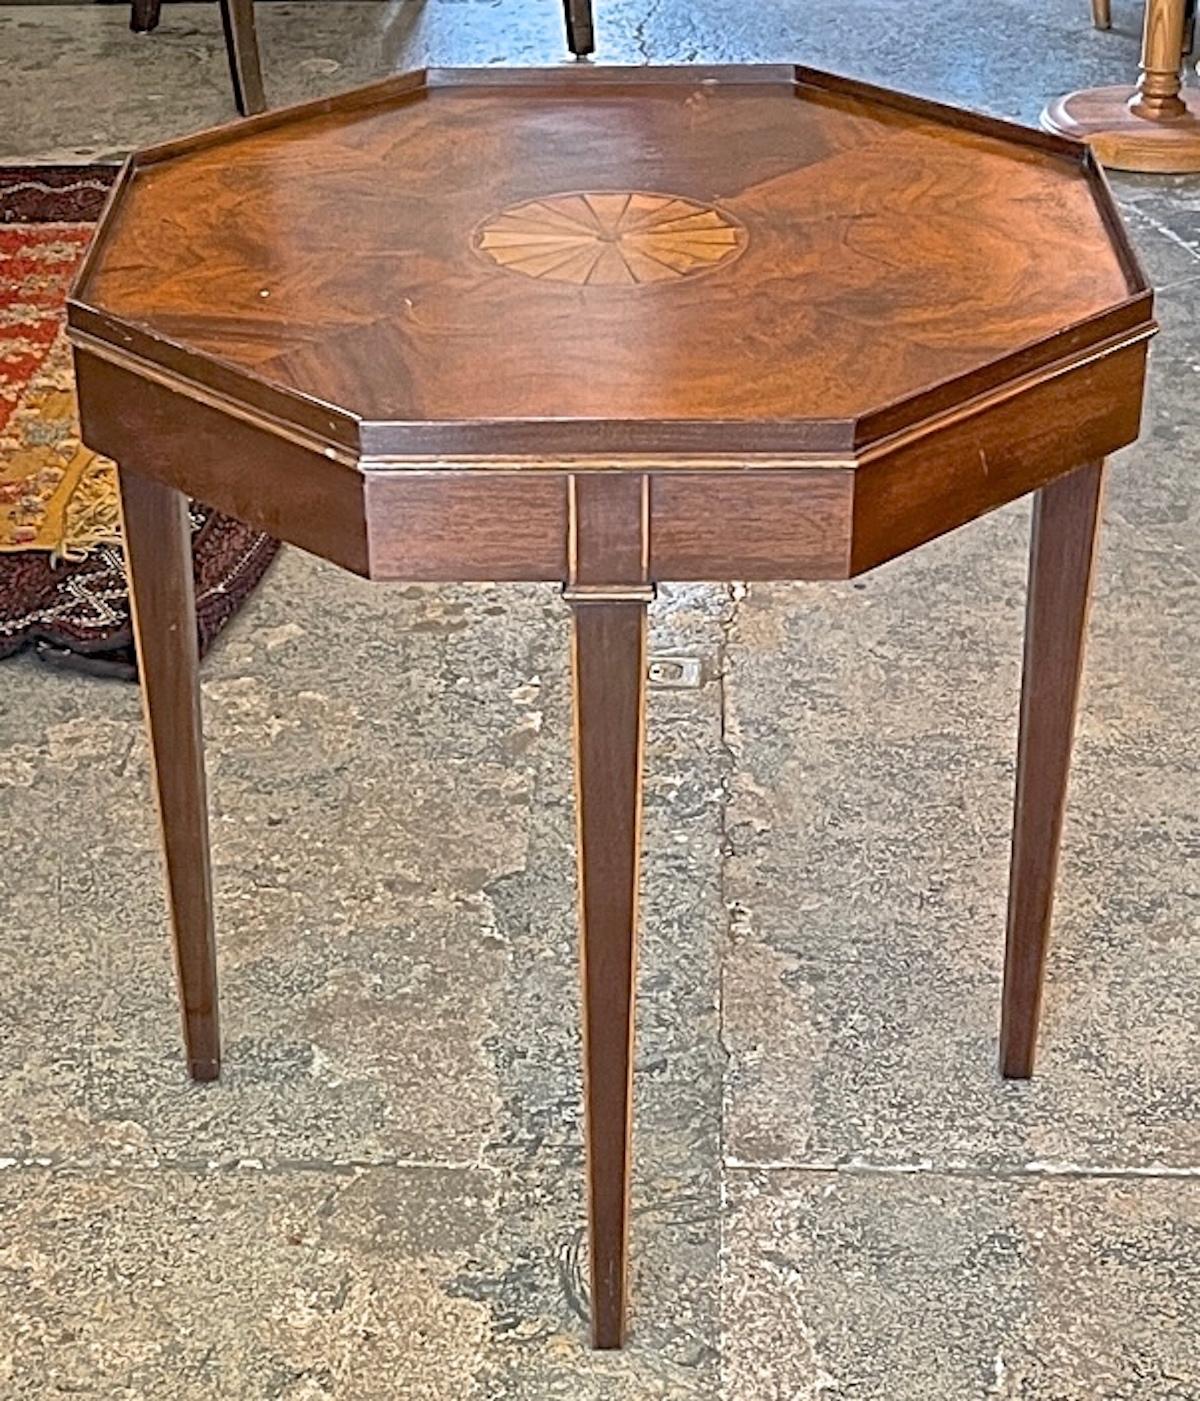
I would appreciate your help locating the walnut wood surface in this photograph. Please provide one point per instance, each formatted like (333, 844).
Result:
(609, 645)
(159, 563)
(294, 491)
(333, 256)
(479, 522)
(937, 480)
(758, 525)
(1066, 519)
(467, 526)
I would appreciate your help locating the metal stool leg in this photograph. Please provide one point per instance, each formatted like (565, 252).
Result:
(581, 37)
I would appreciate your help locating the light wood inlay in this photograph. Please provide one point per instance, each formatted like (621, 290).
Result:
(610, 239)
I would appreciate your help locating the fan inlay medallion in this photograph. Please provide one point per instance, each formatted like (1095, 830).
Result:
(610, 239)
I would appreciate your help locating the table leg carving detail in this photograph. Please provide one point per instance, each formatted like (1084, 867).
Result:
(159, 564)
(1066, 517)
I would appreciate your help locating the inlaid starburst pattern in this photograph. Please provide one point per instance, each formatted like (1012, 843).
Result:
(611, 239)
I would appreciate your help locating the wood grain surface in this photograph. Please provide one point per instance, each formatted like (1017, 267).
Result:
(597, 238)
(159, 561)
(335, 256)
(607, 589)
(1066, 520)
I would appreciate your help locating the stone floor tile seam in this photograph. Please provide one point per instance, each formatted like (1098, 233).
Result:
(1168, 289)
(727, 626)
(1164, 231)
(261, 1167)
(1034, 1170)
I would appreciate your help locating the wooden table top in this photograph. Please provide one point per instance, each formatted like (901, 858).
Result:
(609, 261)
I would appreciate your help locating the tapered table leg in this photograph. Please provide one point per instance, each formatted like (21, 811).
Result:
(159, 563)
(1066, 516)
(609, 669)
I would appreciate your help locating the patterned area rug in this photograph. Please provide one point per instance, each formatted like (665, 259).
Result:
(62, 582)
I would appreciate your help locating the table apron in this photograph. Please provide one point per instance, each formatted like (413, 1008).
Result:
(470, 523)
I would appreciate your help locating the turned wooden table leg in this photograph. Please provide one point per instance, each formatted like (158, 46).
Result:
(1066, 518)
(159, 563)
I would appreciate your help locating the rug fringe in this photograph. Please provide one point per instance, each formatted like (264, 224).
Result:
(93, 516)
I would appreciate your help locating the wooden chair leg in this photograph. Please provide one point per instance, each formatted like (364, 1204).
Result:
(1102, 14)
(609, 671)
(245, 63)
(1066, 517)
(158, 557)
(144, 15)
(581, 34)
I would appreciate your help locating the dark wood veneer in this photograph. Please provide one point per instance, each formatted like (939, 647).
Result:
(1066, 520)
(241, 467)
(161, 591)
(418, 523)
(751, 525)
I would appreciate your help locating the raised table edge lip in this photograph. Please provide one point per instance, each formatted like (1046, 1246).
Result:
(338, 433)
(840, 451)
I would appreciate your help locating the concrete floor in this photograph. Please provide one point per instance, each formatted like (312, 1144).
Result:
(835, 1195)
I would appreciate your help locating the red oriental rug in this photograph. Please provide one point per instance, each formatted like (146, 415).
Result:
(62, 581)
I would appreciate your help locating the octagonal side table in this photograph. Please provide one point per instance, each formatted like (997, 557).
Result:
(607, 328)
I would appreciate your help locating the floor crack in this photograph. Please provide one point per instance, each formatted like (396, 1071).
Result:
(639, 32)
